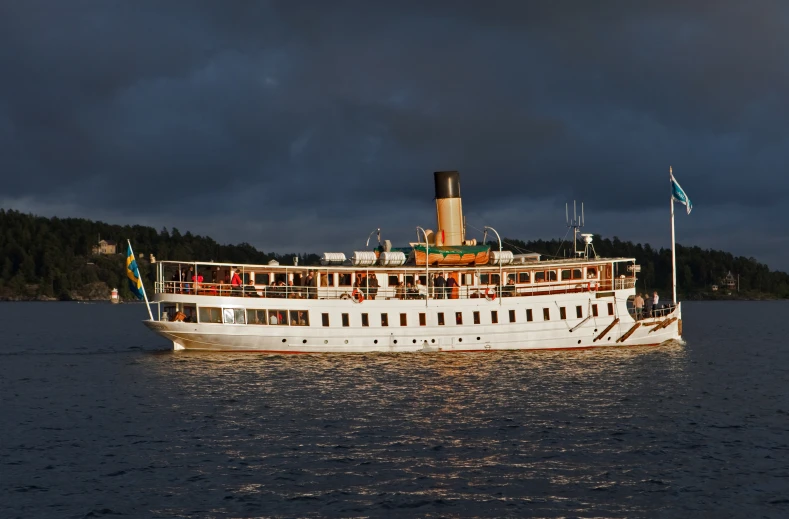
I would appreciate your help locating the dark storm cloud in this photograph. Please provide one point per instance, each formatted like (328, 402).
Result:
(274, 122)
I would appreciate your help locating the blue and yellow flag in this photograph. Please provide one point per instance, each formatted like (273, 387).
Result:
(133, 273)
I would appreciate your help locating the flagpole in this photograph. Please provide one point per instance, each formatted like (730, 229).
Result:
(673, 252)
(144, 295)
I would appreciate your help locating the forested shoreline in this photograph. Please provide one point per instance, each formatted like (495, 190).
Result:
(51, 259)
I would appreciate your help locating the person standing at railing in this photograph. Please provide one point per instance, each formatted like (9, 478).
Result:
(452, 284)
(373, 286)
(648, 307)
(441, 284)
(638, 305)
(189, 275)
(312, 286)
(655, 300)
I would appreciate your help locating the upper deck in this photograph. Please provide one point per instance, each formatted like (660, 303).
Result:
(402, 282)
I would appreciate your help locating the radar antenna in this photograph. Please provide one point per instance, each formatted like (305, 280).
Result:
(576, 224)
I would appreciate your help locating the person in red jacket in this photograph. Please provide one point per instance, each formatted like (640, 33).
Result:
(236, 281)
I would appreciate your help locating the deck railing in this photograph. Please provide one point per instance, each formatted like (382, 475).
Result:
(404, 293)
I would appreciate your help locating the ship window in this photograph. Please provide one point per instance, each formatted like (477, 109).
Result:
(403, 319)
(550, 275)
(546, 314)
(393, 280)
(422, 319)
(384, 319)
(168, 312)
(572, 274)
(191, 313)
(579, 312)
(346, 321)
(511, 277)
(512, 316)
(365, 320)
(345, 280)
(256, 317)
(325, 319)
(529, 316)
(440, 316)
(476, 317)
(299, 318)
(594, 310)
(209, 315)
(484, 279)
(329, 278)
(523, 277)
(279, 317)
(591, 272)
(562, 312)
(458, 317)
(494, 279)
(539, 277)
(610, 308)
(229, 316)
(494, 317)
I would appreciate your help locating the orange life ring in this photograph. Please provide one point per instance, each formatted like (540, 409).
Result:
(357, 296)
(592, 286)
(490, 296)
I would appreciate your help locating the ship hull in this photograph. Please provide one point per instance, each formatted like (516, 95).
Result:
(588, 331)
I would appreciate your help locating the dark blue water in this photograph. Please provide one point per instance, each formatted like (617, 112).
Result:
(99, 418)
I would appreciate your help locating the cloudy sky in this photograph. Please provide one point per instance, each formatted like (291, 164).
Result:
(303, 126)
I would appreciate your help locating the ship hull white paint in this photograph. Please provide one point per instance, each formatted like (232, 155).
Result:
(556, 333)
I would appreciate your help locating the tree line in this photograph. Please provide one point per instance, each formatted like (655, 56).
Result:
(52, 258)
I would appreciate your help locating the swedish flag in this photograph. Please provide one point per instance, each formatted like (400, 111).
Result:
(133, 273)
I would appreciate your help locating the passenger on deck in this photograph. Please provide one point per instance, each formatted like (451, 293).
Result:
(441, 284)
(509, 289)
(648, 307)
(451, 286)
(400, 291)
(420, 289)
(373, 286)
(236, 281)
(310, 283)
(638, 306)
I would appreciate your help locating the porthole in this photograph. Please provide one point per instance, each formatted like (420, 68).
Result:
(460, 339)
(414, 341)
(325, 342)
(609, 338)
(283, 340)
(346, 341)
(579, 341)
(376, 341)
(395, 341)
(432, 340)
(595, 330)
(477, 338)
(304, 341)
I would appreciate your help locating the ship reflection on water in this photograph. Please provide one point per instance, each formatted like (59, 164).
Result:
(482, 431)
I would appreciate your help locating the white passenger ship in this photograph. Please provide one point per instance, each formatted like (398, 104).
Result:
(495, 301)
